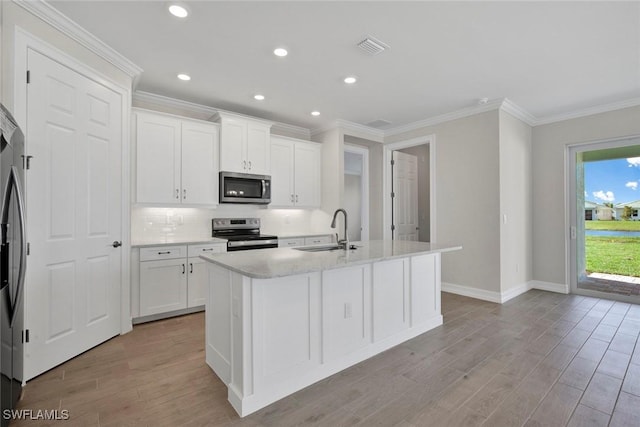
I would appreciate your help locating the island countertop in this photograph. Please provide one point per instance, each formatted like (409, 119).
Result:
(281, 262)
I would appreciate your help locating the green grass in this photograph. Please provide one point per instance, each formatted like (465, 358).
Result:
(613, 255)
(613, 225)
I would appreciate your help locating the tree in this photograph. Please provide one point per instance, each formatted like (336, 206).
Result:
(627, 212)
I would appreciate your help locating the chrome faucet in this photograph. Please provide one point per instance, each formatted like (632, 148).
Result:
(344, 244)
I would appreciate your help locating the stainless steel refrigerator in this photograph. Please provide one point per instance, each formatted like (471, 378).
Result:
(13, 262)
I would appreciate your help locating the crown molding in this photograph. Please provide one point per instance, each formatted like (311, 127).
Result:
(447, 117)
(66, 26)
(518, 112)
(165, 101)
(633, 102)
(161, 101)
(355, 129)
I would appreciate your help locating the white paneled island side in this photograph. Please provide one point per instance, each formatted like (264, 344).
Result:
(278, 320)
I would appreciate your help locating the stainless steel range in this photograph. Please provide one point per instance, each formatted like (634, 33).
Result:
(242, 234)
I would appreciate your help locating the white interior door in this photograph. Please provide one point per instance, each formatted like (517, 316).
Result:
(74, 187)
(405, 196)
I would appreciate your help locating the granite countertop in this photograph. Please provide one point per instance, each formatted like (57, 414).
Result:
(166, 241)
(280, 262)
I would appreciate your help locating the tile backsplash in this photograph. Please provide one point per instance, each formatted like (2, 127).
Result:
(149, 223)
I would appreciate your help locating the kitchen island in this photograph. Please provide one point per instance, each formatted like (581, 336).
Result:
(278, 320)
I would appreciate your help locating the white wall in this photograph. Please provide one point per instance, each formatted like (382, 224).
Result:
(467, 197)
(549, 145)
(515, 203)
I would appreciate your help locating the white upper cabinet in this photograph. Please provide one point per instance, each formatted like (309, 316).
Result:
(158, 158)
(199, 168)
(295, 173)
(244, 145)
(176, 160)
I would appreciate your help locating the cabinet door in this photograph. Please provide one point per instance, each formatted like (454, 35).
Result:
(197, 285)
(158, 159)
(233, 141)
(258, 149)
(282, 193)
(163, 286)
(199, 163)
(307, 174)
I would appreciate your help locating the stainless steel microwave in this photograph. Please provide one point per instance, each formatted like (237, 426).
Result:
(245, 188)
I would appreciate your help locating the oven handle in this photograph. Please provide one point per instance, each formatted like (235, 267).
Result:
(241, 243)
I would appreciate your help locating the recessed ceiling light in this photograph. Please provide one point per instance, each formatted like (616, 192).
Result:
(184, 77)
(258, 97)
(280, 52)
(315, 113)
(178, 11)
(350, 80)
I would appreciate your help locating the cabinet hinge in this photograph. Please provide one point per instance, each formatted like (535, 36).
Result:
(25, 336)
(28, 76)
(393, 194)
(393, 227)
(393, 162)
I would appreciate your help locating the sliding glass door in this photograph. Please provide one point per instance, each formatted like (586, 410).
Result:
(604, 233)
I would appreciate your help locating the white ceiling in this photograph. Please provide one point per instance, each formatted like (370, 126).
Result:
(549, 58)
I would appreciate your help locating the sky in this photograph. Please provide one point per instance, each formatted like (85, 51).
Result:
(615, 181)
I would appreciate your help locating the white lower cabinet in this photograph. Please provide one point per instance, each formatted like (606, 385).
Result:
(173, 278)
(163, 286)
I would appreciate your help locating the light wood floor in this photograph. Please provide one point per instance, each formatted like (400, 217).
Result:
(541, 359)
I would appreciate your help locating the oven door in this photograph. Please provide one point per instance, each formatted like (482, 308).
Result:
(244, 188)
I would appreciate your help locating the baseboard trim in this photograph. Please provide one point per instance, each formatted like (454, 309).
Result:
(502, 297)
(476, 293)
(560, 288)
(514, 292)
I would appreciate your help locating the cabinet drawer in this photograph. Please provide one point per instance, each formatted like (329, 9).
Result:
(289, 243)
(317, 240)
(197, 250)
(163, 252)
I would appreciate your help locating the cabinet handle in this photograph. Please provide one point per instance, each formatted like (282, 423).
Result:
(177, 193)
(183, 269)
(249, 164)
(191, 267)
(244, 164)
(296, 198)
(164, 253)
(207, 249)
(292, 198)
(184, 193)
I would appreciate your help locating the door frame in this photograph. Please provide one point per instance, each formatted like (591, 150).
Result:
(23, 41)
(571, 212)
(364, 220)
(386, 185)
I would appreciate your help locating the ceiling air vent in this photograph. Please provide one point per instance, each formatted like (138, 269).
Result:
(379, 124)
(372, 46)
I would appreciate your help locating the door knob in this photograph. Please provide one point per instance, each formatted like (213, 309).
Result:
(116, 244)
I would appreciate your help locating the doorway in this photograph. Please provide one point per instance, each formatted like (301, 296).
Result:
(604, 237)
(356, 191)
(409, 212)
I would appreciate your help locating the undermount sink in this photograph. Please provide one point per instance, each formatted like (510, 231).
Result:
(318, 248)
